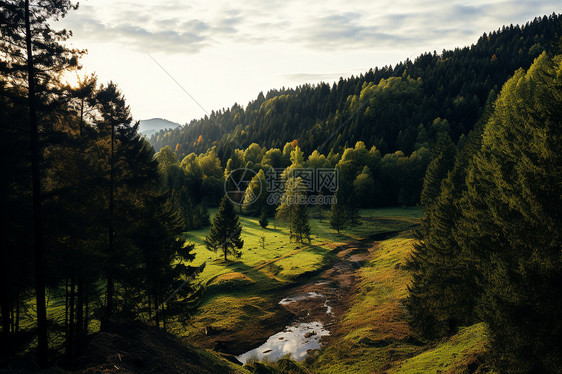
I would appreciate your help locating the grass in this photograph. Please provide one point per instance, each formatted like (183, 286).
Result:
(374, 332)
(243, 291)
(454, 355)
(374, 336)
(240, 302)
(295, 258)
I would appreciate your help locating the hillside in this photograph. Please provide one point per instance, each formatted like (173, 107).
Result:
(149, 127)
(133, 347)
(393, 108)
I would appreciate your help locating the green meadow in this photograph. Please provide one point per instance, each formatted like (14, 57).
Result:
(373, 334)
(245, 289)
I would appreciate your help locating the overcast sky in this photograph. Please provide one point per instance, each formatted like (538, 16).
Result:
(222, 52)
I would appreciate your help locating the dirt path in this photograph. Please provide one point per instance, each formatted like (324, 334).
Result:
(327, 296)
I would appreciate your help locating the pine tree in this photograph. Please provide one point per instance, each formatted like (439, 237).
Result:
(163, 257)
(35, 53)
(338, 218)
(300, 228)
(512, 221)
(444, 291)
(115, 120)
(446, 285)
(263, 219)
(225, 232)
(437, 170)
(255, 197)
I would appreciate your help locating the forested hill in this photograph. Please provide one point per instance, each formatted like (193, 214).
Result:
(392, 108)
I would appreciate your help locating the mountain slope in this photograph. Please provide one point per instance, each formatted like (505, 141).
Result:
(391, 107)
(148, 127)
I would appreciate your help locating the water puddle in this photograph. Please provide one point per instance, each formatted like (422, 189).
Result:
(328, 308)
(295, 299)
(296, 340)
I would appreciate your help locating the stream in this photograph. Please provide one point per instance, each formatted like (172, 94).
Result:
(317, 307)
(296, 340)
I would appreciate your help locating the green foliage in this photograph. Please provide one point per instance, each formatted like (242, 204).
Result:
(490, 240)
(444, 290)
(105, 219)
(437, 171)
(364, 187)
(293, 209)
(263, 219)
(224, 234)
(512, 220)
(300, 228)
(382, 107)
(338, 217)
(255, 196)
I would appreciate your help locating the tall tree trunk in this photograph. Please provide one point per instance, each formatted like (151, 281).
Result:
(42, 342)
(12, 319)
(70, 336)
(79, 314)
(110, 280)
(4, 295)
(5, 308)
(66, 306)
(81, 117)
(17, 322)
(109, 297)
(86, 311)
(157, 310)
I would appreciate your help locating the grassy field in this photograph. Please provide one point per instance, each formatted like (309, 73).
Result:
(293, 258)
(372, 336)
(242, 291)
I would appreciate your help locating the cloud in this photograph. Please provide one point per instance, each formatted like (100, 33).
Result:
(329, 25)
(348, 30)
(152, 28)
(190, 38)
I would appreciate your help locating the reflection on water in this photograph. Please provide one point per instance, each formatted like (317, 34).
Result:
(295, 340)
(294, 299)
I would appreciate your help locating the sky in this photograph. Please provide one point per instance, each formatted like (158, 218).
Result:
(180, 60)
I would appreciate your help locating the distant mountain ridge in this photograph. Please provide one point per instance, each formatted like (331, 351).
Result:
(151, 126)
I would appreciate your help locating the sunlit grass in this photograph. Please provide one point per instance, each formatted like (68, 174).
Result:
(306, 257)
(259, 272)
(374, 334)
(450, 356)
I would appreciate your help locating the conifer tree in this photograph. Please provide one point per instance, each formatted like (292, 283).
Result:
(338, 216)
(437, 170)
(255, 197)
(512, 223)
(36, 54)
(300, 228)
(224, 235)
(263, 219)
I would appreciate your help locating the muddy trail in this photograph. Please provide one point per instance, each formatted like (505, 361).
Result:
(312, 306)
(325, 296)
